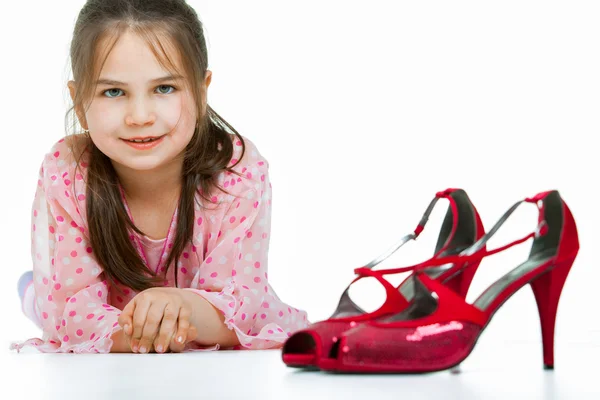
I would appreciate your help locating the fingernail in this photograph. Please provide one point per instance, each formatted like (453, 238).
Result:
(159, 348)
(142, 349)
(180, 339)
(135, 348)
(126, 328)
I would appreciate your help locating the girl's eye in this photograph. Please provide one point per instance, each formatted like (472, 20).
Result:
(166, 86)
(111, 90)
(113, 94)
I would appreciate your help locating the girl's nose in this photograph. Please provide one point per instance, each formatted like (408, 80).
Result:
(140, 114)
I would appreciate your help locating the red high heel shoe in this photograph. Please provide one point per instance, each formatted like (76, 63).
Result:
(461, 228)
(440, 330)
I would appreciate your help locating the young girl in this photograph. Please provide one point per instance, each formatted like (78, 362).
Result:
(150, 230)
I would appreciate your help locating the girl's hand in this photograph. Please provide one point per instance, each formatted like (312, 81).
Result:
(158, 319)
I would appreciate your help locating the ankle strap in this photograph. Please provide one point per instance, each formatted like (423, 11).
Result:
(445, 194)
(472, 253)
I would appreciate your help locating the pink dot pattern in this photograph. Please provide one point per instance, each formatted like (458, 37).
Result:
(226, 263)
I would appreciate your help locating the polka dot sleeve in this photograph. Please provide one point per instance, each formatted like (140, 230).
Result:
(238, 263)
(70, 292)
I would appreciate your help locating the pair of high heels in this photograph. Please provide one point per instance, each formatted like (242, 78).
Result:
(425, 324)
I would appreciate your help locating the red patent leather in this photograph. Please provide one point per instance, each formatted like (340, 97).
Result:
(308, 347)
(444, 337)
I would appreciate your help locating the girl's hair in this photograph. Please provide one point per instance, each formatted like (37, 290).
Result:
(205, 157)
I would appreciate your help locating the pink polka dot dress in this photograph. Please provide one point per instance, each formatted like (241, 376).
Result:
(226, 263)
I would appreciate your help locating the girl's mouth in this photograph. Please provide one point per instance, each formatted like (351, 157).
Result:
(144, 144)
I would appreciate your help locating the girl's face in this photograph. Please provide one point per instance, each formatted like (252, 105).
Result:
(131, 100)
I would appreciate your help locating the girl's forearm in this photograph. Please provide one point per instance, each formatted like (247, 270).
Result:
(209, 321)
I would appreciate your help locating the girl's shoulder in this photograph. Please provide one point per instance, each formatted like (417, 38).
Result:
(64, 155)
(249, 164)
(62, 175)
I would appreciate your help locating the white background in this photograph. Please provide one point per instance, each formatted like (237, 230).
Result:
(364, 110)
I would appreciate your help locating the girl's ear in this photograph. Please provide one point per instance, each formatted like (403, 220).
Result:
(206, 84)
(78, 110)
(208, 78)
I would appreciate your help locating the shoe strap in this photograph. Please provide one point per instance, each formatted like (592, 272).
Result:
(446, 194)
(394, 299)
(474, 252)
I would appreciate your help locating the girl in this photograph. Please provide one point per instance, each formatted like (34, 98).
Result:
(150, 230)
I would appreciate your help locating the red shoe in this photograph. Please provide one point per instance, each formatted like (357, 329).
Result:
(441, 329)
(461, 228)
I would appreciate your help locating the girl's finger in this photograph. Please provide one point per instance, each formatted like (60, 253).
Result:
(177, 347)
(151, 326)
(168, 329)
(139, 319)
(126, 317)
(183, 325)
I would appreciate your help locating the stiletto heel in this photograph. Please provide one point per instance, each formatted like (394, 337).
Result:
(547, 290)
(461, 228)
(440, 329)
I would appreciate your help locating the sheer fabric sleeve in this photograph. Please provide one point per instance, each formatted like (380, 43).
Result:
(70, 292)
(237, 261)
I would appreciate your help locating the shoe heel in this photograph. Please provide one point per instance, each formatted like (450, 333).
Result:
(547, 290)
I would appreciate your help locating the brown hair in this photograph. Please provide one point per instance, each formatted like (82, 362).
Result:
(206, 156)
